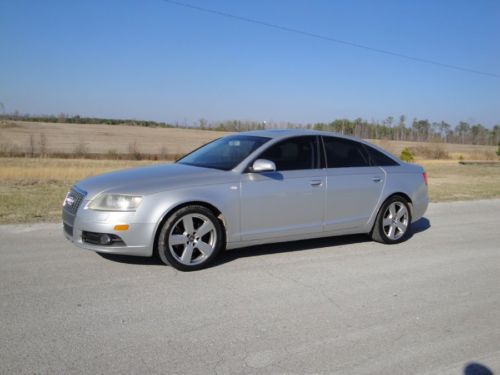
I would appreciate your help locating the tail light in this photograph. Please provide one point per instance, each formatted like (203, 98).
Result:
(424, 175)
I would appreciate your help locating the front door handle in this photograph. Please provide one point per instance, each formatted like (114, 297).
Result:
(316, 182)
(376, 179)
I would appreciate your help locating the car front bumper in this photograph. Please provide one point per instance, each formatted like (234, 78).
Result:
(137, 240)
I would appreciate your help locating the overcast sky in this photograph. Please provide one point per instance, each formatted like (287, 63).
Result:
(150, 59)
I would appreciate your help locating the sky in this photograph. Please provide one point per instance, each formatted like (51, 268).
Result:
(154, 60)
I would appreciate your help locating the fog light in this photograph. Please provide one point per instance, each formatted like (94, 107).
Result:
(105, 239)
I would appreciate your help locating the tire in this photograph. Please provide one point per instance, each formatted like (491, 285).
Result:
(393, 221)
(190, 238)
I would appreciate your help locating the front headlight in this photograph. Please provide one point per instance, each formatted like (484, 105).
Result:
(115, 202)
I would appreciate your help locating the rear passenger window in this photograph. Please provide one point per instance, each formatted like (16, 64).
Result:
(344, 153)
(378, 158)
(293, 154)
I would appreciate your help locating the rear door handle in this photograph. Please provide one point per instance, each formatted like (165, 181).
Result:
(316, 182)
(376, 179)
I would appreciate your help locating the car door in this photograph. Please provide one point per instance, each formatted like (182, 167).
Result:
(289, 201)
(353, 186)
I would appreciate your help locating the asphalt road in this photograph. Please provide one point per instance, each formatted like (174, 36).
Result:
(341, 305)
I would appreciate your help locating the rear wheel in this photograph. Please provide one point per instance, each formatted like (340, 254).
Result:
(190, 238)
(393, 221)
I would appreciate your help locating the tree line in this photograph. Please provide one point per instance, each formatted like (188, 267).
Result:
(417, 130)
(399, 130)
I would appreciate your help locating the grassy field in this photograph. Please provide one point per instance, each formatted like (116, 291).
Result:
(112, 140)
(33, 137)
(32, 189)
(451, 181)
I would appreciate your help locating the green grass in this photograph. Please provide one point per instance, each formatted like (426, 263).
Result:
(20, 203)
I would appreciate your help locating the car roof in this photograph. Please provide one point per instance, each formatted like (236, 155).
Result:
(285, 133)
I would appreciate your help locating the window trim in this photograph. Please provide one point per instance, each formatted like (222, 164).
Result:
(324, 164)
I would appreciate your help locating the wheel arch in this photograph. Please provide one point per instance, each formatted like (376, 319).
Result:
(400, 194)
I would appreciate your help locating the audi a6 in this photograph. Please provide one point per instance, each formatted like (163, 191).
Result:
(247, 189)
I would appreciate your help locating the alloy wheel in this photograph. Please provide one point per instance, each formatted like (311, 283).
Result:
(395, 220)
(192, 239)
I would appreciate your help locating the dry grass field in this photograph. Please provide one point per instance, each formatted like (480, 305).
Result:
(81, 139)
(451, 181)
(36, 137)
(32, 189)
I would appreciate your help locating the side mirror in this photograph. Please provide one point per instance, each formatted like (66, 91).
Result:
(263, 165)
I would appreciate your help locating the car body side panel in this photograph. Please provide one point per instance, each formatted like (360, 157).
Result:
(352, 195)
(274, 204)
(224, 197)
(406, 179)
(409, 179)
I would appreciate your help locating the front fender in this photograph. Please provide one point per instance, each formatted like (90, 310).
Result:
(224, 197)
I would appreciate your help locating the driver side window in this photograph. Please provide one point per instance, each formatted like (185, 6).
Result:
(293, 154)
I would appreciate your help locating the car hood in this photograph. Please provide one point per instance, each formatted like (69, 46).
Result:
(153, 179)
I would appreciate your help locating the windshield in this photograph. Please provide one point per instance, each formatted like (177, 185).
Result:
(224, 153)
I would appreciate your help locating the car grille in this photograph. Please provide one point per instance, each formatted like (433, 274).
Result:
(71, 204)
(73, 200)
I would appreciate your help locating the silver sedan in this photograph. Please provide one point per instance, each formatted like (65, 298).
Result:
(247, 189)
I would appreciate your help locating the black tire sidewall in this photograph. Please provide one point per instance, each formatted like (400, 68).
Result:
(163, 246)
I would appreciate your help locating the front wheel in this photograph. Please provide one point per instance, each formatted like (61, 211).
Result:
(393, 221)
(190, 238)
